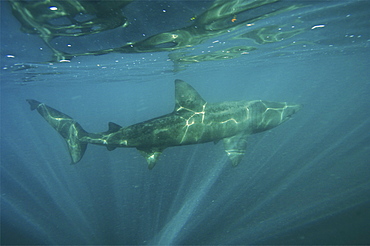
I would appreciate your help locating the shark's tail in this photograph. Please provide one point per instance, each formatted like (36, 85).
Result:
(67, 127)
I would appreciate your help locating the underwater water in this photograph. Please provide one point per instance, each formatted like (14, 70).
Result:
(306, 181)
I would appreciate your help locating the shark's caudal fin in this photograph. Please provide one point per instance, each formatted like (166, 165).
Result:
(67, 127)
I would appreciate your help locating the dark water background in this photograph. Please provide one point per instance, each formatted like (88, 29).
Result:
(304, 182)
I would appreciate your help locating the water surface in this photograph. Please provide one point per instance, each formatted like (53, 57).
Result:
(304, 182)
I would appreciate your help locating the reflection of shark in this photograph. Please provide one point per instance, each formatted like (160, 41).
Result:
(193, 121)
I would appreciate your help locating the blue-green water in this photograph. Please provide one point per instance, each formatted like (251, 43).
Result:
(304, 182)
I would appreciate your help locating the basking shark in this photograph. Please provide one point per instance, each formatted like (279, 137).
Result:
(193, 121)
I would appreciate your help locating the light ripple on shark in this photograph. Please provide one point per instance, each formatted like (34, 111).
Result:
(193, 121)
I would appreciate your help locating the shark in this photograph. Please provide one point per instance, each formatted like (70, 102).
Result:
(193, 121)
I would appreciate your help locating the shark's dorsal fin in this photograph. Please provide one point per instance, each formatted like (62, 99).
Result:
(113, 127)
(187, 97)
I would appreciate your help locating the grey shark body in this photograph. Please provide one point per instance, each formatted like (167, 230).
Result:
(193, 121)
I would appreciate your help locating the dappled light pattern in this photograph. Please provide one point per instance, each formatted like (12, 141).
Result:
(193, 121)
(270, 34)
(51, 19)
(182, 59)
(305, 182)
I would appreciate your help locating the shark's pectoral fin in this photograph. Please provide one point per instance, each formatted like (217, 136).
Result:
(151, 155)
(76, 149)
(235, 147)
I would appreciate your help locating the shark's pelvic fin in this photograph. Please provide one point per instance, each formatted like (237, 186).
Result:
(235, 147)
(187, 97)
(67, 127)
(151, 155)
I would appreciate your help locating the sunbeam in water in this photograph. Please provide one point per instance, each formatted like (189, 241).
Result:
(305, 181)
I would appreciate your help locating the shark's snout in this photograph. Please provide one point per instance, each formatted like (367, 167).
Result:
(290, 110)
